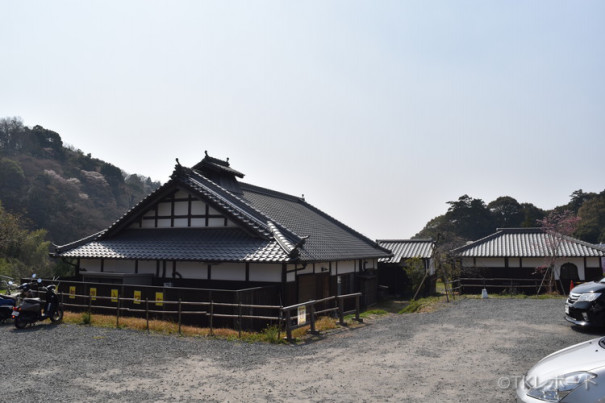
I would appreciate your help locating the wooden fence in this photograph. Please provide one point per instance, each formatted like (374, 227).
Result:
(509, 285)
(211, 310)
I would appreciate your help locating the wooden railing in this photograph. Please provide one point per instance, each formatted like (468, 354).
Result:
(511, 284)
(283, 315)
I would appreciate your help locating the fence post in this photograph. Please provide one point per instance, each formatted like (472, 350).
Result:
(89, 305)
(357, 318)
(288, 328)
(239, 317)
(312, 313)
(341, 311)
(147, 313)
(211, 317)
(118, 313)
(279, 321)
(179, 316)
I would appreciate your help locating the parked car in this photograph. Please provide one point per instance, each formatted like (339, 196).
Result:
(585, 305)
(574, 374)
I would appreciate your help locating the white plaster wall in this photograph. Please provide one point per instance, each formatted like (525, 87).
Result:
(181, 194)
(90, 264)
(163, 223)
(347, 266)
(307, 270)
(147, 266)
(198, 207)
(164, 209)
(290, 276)
(181, 208)
(514, 262)
(194, 270)
(593, 262)
(489, 262)
(265, 272)
(118, 266)
(534, 262)
(229, 271)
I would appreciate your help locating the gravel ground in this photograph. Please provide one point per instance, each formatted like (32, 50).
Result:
(471, 350)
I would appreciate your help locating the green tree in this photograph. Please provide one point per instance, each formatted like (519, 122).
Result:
(506, 212)
(592, 220)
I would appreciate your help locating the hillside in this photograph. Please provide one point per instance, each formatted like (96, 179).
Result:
(60, 188)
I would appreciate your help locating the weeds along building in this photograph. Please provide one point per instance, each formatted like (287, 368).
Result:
(205, 228)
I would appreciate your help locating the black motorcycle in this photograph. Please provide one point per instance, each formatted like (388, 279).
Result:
(32, 310)
(8, 301)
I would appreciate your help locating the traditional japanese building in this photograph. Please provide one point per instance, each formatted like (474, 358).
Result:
(391, 270)
(205, 228)
(517, 253)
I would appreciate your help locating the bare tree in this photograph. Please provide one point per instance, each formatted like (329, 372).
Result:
(558, 226)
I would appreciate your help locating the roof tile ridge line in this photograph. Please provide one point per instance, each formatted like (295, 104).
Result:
(220, 198)
(252, 209)
(478, 241)
(270, 192)
(521, 229)
(345, 227)
(406, 240)
(79, 242)
(581, 242)
(282, 241)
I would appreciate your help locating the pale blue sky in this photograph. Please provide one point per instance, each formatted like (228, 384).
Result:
(378, 111)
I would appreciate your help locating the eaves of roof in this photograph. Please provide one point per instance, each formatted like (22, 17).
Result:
(407, 249)
(527, 242)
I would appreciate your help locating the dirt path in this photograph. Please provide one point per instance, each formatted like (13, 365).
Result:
(472, 350)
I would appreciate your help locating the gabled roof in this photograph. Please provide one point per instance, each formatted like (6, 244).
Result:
(407, 249)
(527, 242)
(272, 227)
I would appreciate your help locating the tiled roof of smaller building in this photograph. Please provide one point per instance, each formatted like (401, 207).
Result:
(188, 244)
(527, 242)
(407, 249)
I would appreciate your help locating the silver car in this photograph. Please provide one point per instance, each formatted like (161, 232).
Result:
(574, 374)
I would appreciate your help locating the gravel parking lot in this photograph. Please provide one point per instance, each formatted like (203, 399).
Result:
(471, 350)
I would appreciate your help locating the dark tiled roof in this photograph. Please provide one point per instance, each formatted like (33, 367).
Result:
(205, 244)
(407, 248)
(274, 220)
(328, 239)
(527, 242)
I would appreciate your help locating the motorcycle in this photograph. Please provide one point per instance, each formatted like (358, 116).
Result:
(8, 301)
(32, 310)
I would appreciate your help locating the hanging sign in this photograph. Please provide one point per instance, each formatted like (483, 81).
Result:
(114, 295)
(137, 296)
(72, 292)
(93, 294)
(159, 298)
(302, 314)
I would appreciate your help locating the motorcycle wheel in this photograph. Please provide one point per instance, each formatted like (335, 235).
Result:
(57, 315)
(20, 322)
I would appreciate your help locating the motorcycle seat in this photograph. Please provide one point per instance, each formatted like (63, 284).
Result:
(6, 301)
(2, 296)
(32, 300)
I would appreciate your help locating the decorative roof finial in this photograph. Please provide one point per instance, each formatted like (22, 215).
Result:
(177, 162)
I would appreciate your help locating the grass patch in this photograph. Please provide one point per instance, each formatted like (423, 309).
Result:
(271, 334)
(429, 304)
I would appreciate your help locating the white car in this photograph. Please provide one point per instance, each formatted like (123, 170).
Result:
(574, 374)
